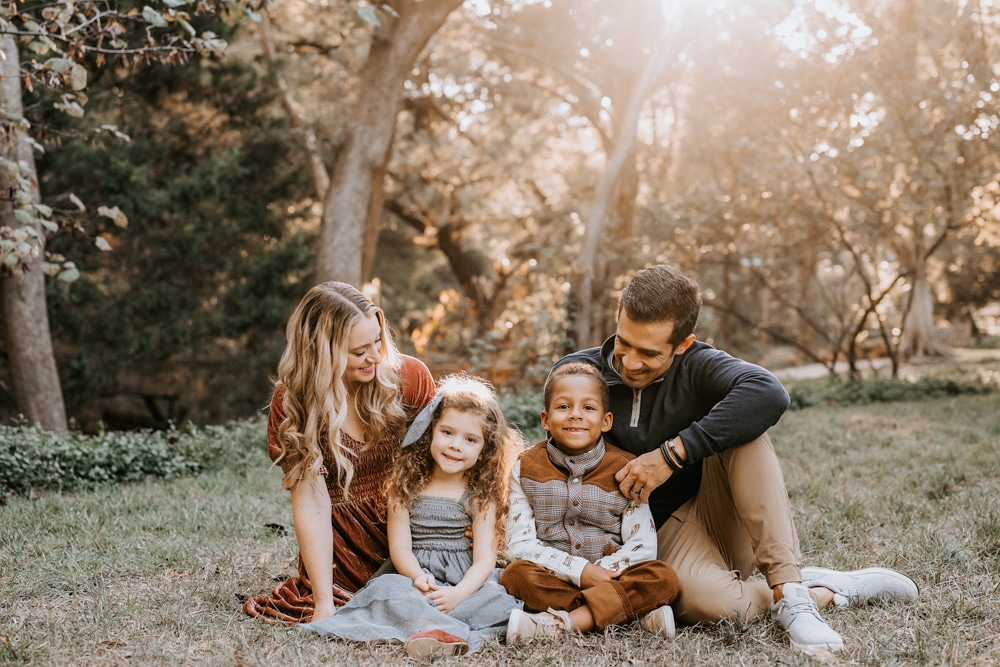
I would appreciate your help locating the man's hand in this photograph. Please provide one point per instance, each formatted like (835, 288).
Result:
(641, 475)
(593, 575)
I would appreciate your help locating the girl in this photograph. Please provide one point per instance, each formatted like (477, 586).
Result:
(440, 593)
(340, 405)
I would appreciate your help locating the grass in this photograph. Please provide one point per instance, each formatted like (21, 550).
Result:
(153, 573)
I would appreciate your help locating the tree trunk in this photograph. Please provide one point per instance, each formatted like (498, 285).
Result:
(584, 269)
(354, 200)
(37, 391)
(918, 339)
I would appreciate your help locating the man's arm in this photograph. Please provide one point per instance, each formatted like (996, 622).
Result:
(747, 400)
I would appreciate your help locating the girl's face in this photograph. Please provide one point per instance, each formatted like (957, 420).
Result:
(457, 441)
(363, 352)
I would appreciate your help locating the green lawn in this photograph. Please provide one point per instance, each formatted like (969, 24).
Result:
(154, 573)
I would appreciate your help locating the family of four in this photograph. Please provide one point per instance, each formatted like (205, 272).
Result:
(655, 497)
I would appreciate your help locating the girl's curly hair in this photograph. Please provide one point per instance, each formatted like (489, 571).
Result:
(488, 480)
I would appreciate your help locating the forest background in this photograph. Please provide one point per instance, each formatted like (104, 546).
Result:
(827, 170)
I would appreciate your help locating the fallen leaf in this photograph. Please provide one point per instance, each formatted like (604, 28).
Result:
(265, 558)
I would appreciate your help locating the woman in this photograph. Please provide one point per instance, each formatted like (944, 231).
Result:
(340, 406)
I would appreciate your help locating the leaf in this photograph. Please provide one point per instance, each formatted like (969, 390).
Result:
(59, 64)
(76, 201)
(78, 77)
(38, 47)
(115, 214)
(102, 244)
(153, 17)
(69, 275)
(187, 26)
(50, 269)
(25, 216)
(44, 210)
(175, 3)
(70, 109)
(369, 14)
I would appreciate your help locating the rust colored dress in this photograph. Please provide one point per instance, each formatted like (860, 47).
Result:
(360, 544)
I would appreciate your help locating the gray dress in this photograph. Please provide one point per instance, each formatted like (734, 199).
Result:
(390, 608)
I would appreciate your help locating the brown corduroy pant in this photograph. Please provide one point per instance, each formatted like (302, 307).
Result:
(739, 520)
(639, 589)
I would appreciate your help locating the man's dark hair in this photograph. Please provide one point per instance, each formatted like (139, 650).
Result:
(661, 293)
(576, 368)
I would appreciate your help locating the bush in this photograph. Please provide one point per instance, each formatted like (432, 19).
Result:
(33, 458)
(523, 410)
(869, 391)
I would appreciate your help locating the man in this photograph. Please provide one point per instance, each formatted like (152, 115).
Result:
(697, 418)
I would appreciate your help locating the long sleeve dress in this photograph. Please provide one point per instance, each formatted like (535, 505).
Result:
(360, 544)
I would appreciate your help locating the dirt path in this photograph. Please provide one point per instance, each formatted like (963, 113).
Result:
(963, 360)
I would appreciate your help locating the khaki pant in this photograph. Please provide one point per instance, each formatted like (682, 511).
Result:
(639, 589)
(740, 519)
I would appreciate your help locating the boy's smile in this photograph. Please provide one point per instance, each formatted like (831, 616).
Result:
(576, 415)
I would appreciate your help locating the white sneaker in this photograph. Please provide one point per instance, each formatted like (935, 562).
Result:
(797, 614)
(855, 588)
(523, 627)
(660, 621)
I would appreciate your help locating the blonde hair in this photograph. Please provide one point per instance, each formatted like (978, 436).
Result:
(488, 481)
(311, 372)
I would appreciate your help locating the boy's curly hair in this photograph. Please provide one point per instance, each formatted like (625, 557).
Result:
(488, 480)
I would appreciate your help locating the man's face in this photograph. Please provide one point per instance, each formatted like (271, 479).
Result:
(642, 351)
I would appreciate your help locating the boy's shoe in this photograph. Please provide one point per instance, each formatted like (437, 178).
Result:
(660, 621)
(523, 627)
(855, 588)
(797, 614)
(431, 643)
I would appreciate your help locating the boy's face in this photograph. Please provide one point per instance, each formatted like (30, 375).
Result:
(576, 415)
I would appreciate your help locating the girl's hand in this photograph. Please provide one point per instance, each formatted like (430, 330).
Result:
(425, 583)
(445, 598)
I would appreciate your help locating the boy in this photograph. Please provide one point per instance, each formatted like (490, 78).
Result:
(583, 556)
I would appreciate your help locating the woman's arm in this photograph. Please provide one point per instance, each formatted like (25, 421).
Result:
(485, 546)
(311, 514)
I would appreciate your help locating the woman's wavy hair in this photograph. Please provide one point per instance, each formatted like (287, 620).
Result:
(488, 479)
(311, 371)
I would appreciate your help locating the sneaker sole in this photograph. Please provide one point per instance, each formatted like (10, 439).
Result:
(668, 631)
(892, 574)
(426, 647)
(811, 649)
(512, 623)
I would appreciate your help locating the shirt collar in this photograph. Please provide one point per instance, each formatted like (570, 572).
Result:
(576, 464)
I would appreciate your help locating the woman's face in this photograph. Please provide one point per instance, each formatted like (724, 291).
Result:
(363, 352)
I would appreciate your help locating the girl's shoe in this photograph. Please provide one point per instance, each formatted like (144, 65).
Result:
(432, 643)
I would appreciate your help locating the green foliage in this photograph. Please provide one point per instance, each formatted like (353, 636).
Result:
(33, 458)
(192, 297)
(523, 409)
(870, 391)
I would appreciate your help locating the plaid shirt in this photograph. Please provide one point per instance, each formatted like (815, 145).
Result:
(567, 511)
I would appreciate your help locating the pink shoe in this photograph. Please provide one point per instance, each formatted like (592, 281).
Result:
(435, 642)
